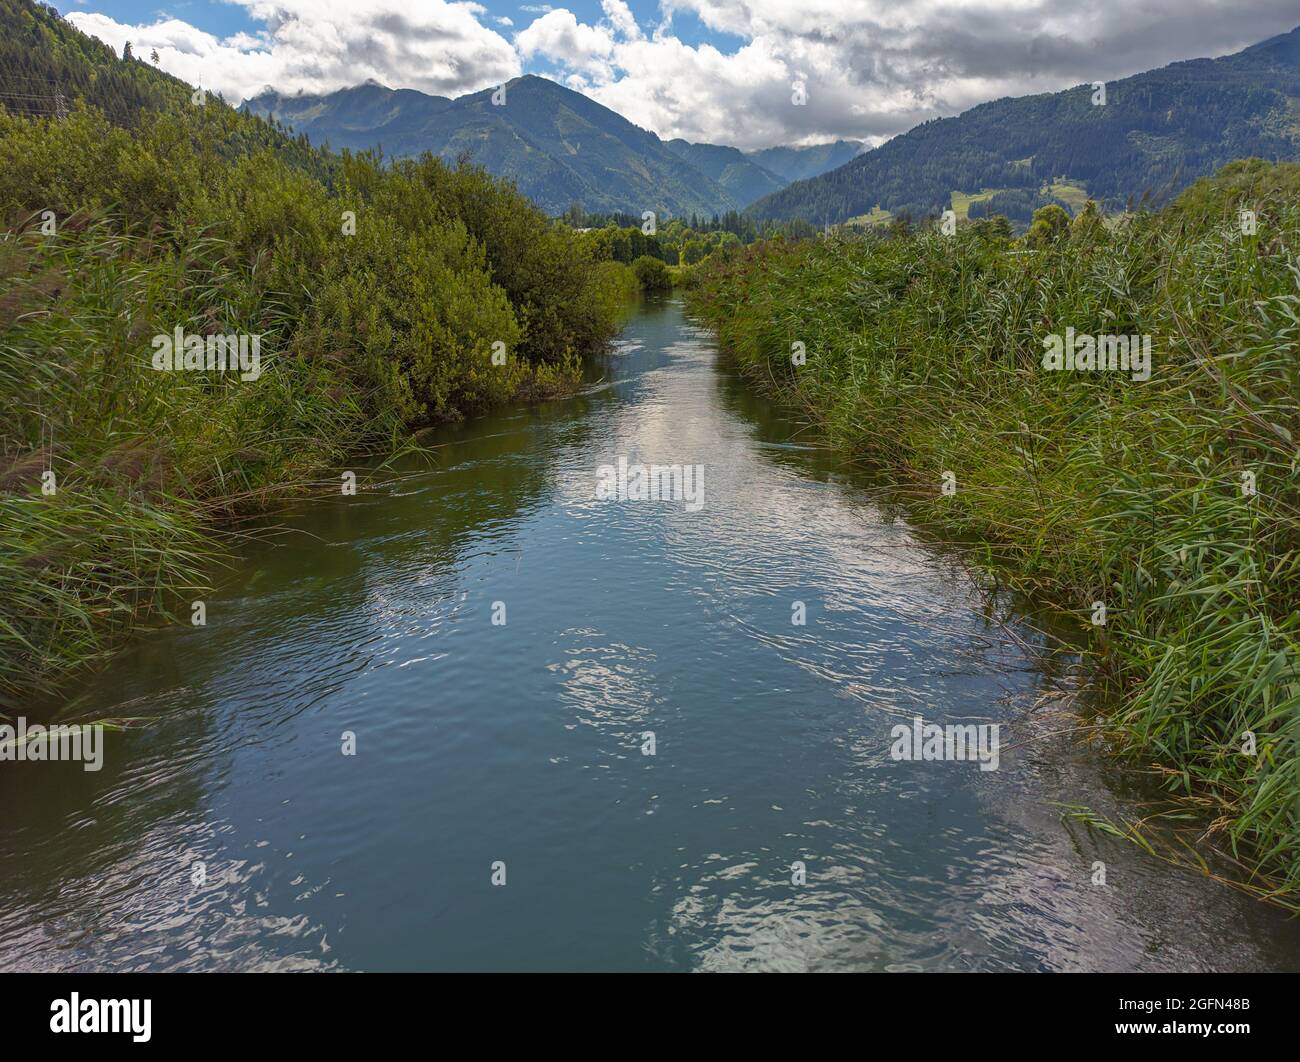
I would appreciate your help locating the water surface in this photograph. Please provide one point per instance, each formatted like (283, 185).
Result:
(522, 743)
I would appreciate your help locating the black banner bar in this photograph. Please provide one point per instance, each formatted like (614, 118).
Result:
(1224, 1012)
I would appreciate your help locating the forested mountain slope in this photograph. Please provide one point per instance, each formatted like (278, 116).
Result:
(1156, 133)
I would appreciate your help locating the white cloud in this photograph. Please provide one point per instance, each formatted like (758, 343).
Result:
(619, 16)
(872, 68)
(315, 46)
(561, 38)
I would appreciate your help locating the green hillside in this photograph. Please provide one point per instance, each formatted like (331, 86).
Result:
(743, 179)
(797, 164)
(559, 147)
(1156, 133)
(46, 65)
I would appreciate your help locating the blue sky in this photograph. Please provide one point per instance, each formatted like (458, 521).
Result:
(224, 18)
(719, 71)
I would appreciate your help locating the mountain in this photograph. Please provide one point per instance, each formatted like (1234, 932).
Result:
(796, 164)
(1155, 134)
(744, 179)
(352, 114)
(557, 145)
(47, 66)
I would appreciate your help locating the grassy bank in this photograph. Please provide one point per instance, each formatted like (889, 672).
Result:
(379, 294)
(1172, 501)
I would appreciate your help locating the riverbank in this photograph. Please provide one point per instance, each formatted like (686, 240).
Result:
(194, 322)
(498, 646)
(1155, 503)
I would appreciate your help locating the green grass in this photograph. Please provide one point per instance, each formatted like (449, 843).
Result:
(876, 217)
(1072, 193)
(925, 356)
(961, 202)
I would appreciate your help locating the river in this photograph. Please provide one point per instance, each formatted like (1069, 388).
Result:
(233, 833)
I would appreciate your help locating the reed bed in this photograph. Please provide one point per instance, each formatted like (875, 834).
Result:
(1172, 501)
(378, 293)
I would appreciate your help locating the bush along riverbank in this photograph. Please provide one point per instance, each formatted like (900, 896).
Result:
(193, 321)
(1110, 406)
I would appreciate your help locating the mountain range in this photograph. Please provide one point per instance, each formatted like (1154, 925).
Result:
(1145, 136)
(1152, 135)
(557, 145)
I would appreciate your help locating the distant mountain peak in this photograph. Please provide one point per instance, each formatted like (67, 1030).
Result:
(1283, 49)
(558, 145)
(1155, 133)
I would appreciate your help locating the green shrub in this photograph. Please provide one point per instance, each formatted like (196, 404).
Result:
(652, 274)
(452, 295)
(1050, 224)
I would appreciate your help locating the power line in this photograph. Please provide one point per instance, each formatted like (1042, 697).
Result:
(35, 104)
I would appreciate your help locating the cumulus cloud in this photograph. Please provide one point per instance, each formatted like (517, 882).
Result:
(873, 68)
(314, 46)
(619, 16)
(869, 68)
(561, 38)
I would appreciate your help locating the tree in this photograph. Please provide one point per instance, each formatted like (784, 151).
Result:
(997, 227)
(1050, 224)
(153, 57)
(652, 274)
(127, 56)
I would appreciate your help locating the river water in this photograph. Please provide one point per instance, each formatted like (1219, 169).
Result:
(232, 832)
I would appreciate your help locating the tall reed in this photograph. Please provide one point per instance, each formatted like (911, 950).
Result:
(1172, 502)
(389, 298)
